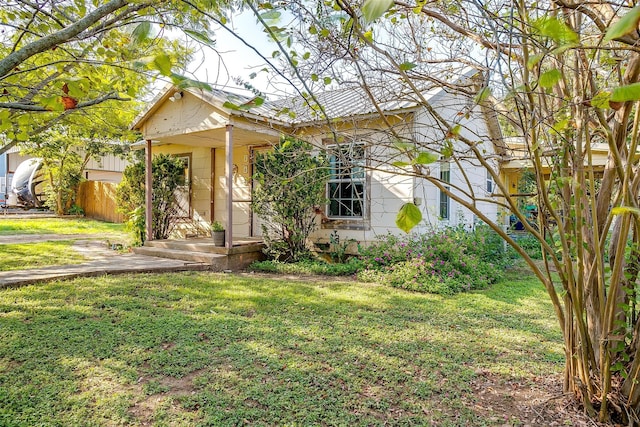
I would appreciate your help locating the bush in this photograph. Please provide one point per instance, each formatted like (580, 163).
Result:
(530, 244)
(168, 174)
(290, 186)
(443, 262)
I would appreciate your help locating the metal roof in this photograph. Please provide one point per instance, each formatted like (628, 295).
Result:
(343, 103)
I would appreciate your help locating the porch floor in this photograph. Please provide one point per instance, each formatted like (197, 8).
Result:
(201, 250)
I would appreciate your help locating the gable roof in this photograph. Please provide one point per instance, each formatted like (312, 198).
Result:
(351, 102)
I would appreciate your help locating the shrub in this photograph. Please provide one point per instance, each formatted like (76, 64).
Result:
(290, 185)
(443, 262)
(168, 174)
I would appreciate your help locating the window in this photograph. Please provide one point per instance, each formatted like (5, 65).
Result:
(445, 177)
(346, 186)
(489, 183)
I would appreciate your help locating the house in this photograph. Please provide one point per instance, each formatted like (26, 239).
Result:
(219, 133)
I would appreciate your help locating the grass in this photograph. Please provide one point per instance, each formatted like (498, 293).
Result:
(196, 349)
(32, 255)
(58, 226)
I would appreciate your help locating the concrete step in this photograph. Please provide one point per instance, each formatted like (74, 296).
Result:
(184, 255)
(199, 245)
(205, 245)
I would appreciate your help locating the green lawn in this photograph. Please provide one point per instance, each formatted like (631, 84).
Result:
(221, 350)
(33, 255)
(10, 225)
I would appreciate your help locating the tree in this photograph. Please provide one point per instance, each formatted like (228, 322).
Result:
(58, 58)
(561, 76)
(168, 175)
(290, 186)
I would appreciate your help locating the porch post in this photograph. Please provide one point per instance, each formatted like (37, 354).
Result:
(148, 190)
(229, 152)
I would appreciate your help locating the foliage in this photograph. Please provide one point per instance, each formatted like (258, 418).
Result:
(167, 175)
(76, 210)
(309, 266)
(217, 226)
(61, 60)
(338, 250)
(290, 186)
(21, 256)
(443, 262)
(530, 245)
(196, 349)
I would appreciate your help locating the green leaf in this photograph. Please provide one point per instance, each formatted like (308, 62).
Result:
(78, 88)
(200, 37)
(455, 131)
(625, 25)
(406, 66)
(162, 63)
(52, 103)
(601, 100)
(425, 158)
(557, 30)
(482, 95)
(626, 93)
(231, 106)
(400, 164)
(183, 82)
(141, 32)
(561, 125)
(533, 61)
(271, 15)
(408, 217)
(550, 78)
(374, 9)
(447, 149)
(327, 80)
(619, 210)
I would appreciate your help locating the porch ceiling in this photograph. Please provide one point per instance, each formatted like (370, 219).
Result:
(216, 138)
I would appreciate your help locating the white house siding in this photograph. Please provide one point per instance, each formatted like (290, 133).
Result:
(186, 115)
(454, 108)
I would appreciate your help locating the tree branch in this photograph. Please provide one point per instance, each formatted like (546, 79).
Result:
(17, 106)
(16, 58)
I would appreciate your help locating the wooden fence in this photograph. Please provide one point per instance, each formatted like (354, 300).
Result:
(98, 199)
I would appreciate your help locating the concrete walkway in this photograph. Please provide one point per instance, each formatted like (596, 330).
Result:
(101, 261)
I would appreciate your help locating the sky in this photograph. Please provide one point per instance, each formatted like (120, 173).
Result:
(232, 59)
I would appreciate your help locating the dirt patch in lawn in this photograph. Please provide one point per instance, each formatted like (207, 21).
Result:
(539, 402)
(171, 387)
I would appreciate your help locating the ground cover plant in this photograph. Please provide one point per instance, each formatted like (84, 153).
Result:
(31, 255)
(309, 266)
(441, 262)
(206, 349)
(58, 226)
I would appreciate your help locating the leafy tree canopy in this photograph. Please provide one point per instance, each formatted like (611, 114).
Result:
(60, 57)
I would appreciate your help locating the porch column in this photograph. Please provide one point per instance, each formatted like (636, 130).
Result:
(229, 152)
(148, 190)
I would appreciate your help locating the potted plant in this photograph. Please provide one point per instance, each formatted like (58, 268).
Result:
(217, 233)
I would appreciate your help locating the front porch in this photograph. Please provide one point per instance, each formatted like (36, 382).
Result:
(201, 250)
